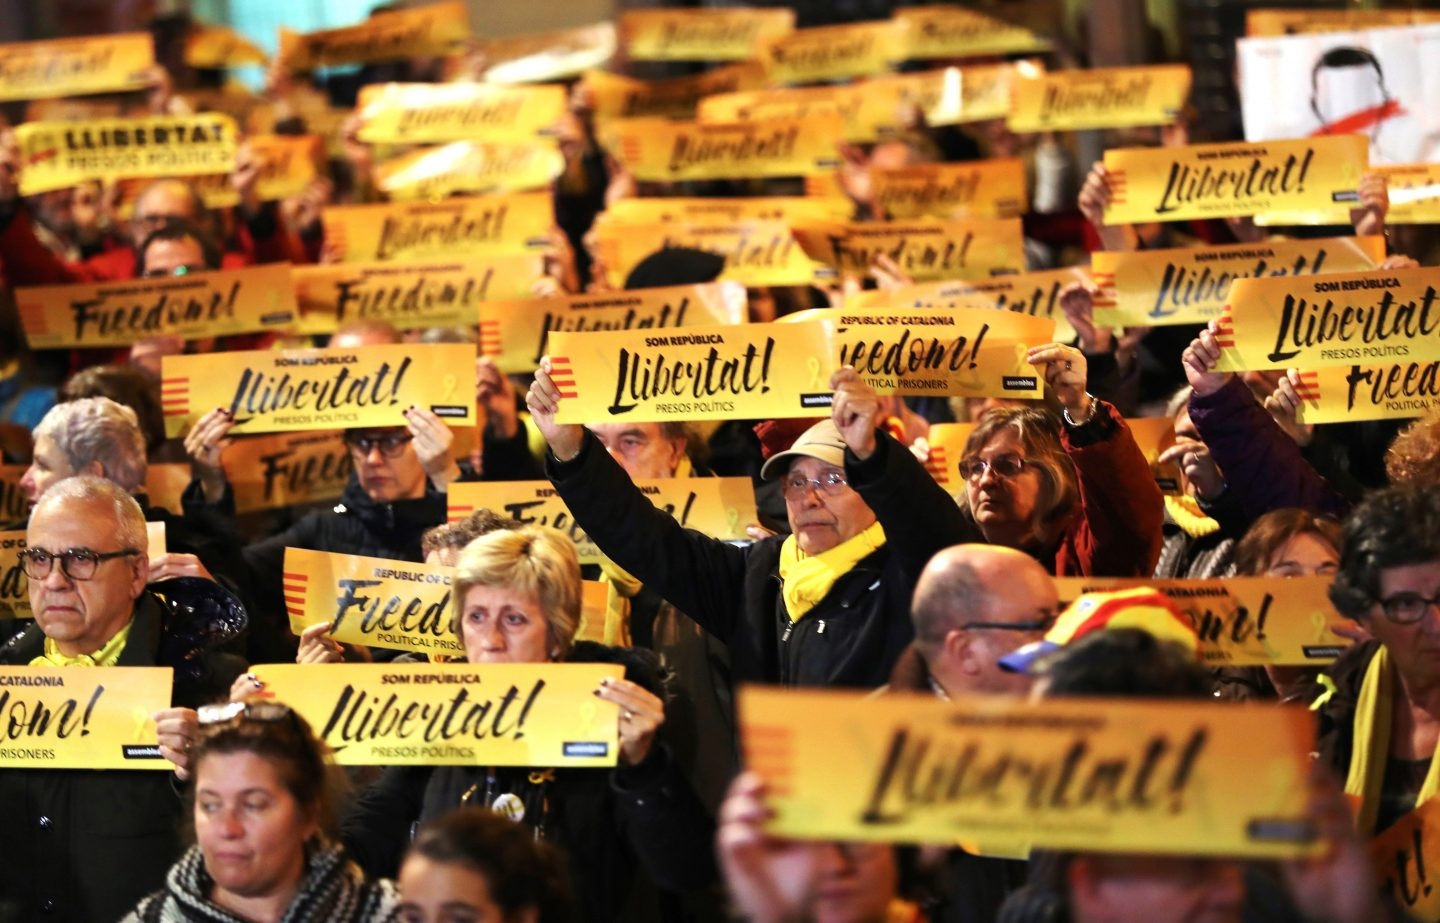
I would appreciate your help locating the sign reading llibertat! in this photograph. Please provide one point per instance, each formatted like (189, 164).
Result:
(57, 155)
(703, 34)
(617, 97)
(926, 250)
(452, 228)
(1113, 97)
(438, 29)
(656, 150)
(76, 66)
(434, 113)
(862, 49)
(1033, 293)
(975, 189)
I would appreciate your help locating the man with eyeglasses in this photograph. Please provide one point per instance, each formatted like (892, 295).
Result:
(84, 845)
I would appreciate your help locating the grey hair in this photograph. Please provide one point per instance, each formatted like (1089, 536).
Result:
(97, 429)
(101, 492)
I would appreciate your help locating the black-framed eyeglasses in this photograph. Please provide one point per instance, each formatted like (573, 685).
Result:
(231, 713)
(795, 487)
(1407, 608)
(181, 270)
(75, 563)
(390, 446)
(1044, 624)
(1005, 466)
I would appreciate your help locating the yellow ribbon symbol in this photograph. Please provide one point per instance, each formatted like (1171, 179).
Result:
(813, 365)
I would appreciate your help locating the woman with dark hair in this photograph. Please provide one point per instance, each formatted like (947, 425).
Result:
(263, 800)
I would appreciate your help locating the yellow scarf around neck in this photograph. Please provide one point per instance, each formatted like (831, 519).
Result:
(1370, 750)
(105, 657)
(1188, 515)
(807, 578)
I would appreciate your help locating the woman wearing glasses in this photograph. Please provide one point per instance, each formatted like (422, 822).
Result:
(1076, 495)
(262, 807)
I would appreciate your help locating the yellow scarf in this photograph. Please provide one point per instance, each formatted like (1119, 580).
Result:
(1188, 515)
(807, 578)
(620, 587)
(105, 657)
(1371, 748)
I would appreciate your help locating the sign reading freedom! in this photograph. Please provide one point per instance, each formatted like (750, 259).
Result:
(95, 718)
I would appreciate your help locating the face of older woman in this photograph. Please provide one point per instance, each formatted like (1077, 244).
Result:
(499, 625)
(1415, 647)
(1004, 506)
(823, 516)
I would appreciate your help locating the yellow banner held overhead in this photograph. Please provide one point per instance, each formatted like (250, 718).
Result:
(76, 66)
(861, 49)
(1414, 190)
(14, 585)
(1033, 293)
(1236, 178)
(1337, 319)
(655, 150)
(710, 34)
(1113, 97)
(542, 57)
(221, 46)
(376, 602)
(454, 714)
(306, 389)
(95, 718)
(1189, 285)
(1404, 858)
(615, 97)
(287, 164)
(1263, 23)
(925, 250)
(56, 155)
(438, 30)
(433, 113)
(410, 295)
(452, 228)
(517, 333)
(750, 372)
(946, 31)
(787, 209)
(286, 469)
(1344, 393)
(1109, 775)
(946, 450)
(202, 304)
(470, 167)
(756, 252)
(1244, 621)
(976, 189)
(717, 507)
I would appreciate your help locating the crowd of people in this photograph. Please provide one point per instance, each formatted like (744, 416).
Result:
(861, 572)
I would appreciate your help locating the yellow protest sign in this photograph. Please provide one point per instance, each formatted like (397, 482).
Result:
(975, 189)
(376, 602)
(454, 714)
(1235, 178)
(864, 114)
(94, 718)
(1337, 319)
(469, 167)
(1111, 97)
(1342, 393)
(1091, 774)
(287, 164)
(953, 95)
(431, 113)
(56, 155)
(717, 507)
(407, 230)
(516, 333)
(750, 372)
(436, 30)
(1262, 23)
(304, 389)
(615, 97)
(946, 449)
(1244, 621)
(287, 469)
(76, 66)
(811, 55)
(656, 150)
(755, 252)
(946, 31)
(925, 250)
(705, 34)
(1403, 857)
(1034, 293)
(1189, 285)
(1154, 435)
(14, 506)
(410, 295)
(193, 306)
(14, 585)
(549, 56)
(221, 46)
(165, 483)
(787, 209)
(972, 352)
(1414, 190)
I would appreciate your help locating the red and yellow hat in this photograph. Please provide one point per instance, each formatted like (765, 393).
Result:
(1144, 608)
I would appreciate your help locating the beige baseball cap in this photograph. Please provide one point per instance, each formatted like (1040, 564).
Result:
(820, 441)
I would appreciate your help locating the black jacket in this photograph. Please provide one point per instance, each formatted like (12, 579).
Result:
(87, 845)
(851, 638)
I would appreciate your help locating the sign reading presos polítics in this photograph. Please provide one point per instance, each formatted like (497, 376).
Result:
(434, 113)
(83, 718)
(1112, 97)
(1033, 293)
(438, 29)
(56, 155)
(512, 223)
(928, 250)
(704, 34)
(657, 150)
(76, 66)
(975, 189)
(306, 389)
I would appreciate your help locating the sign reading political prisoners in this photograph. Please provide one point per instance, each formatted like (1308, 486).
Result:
(302, 389)
(700, 34)
(202, 304)
(1244, 621)
(1114, 97)
(718, 507)
(840, 52)
(1033, 293)
(76, 66)
(750, 372)
(1107, 775)
(433, 113)
(1338, 394)
(376, 602)
(977, 189)
(756, 252)
(99, 718)
(657, 150)
(436, 30)
(517, 333)
(948, 31)
(1225, 180)
(1339, 319)
(926, 251)
(615, 97)
(469, 167)
(454, 714)
(56, 155)
(453, 228)
(412, 294)
(1150, 288)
